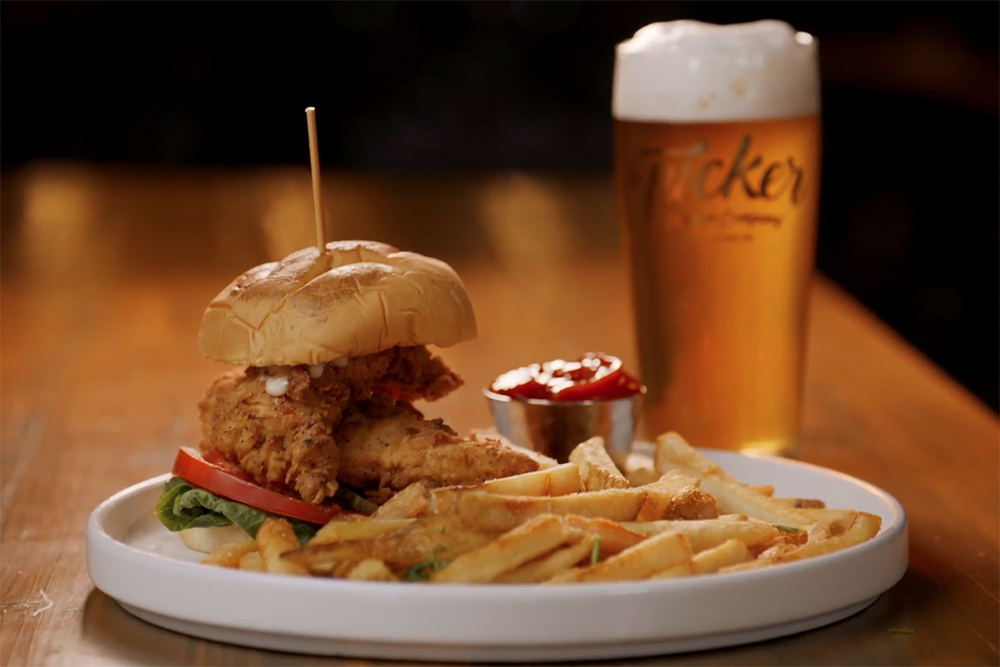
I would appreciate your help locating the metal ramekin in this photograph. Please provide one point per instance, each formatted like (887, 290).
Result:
(554, 428)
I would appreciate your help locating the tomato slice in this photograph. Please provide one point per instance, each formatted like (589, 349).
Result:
(224, 479)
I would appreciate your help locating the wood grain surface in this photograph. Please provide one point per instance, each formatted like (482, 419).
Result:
(105, 274)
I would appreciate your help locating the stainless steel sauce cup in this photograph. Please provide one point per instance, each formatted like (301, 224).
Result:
(554, 428)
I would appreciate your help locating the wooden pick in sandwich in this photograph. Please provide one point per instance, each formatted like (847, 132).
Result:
(314, 164)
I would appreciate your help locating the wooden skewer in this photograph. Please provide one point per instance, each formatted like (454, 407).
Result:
(314, 163)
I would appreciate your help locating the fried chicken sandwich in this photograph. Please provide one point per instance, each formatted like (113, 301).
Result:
(316, 417)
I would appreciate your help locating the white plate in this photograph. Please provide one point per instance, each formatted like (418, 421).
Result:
(136, 561)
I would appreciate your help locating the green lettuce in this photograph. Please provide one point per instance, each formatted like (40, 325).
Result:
(184, 506)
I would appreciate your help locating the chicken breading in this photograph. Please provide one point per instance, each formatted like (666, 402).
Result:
(385, 447)
(285, 442)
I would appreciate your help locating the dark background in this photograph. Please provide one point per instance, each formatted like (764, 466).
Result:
(911, 95)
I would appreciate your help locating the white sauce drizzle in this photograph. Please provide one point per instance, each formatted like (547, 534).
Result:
(277, 386)
(276, 377)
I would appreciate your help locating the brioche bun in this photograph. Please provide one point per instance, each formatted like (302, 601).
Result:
(207, 540)
(359, 297)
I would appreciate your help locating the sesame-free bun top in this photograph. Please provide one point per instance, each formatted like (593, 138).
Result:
(358, 297)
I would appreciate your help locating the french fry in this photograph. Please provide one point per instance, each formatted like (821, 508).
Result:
(675, 571)
(864, 528)
(420, 540)
(675, 495)
(509, 551)
(758, 563)
(343, 569)
(613, 536)
(651, 556)
(731, 495)
(252, 561)
(371, 569)
(763, 489)
(639, 470)
(274, 538)
(814, 533)
(335, 559)
(492, 512)
(709, 533)
(352, 531)
(836, 520)
(414, 543)
(672, 451)
(800, 503)
(731, 552)
(597, 470)
(641, 476)
(787, 538)
(410, 503)
(565, 577)
(558, 481)
(230, 554)
(738, 498)
(777, 551)
(546, 567)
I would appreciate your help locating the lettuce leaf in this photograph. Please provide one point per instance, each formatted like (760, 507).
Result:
(184, 506)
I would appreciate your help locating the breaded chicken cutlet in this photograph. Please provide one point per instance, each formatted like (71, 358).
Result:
(352, 422)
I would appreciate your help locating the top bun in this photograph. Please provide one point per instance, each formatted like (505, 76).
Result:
(359, 297)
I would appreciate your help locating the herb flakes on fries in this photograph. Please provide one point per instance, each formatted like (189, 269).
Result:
(578, 522)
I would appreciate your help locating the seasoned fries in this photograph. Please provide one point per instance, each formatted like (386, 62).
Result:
(411, 502)
(372, 569)
(274, 538)
(641, 476)
(675, 571)
(612, 537)
(252, 561)
(526, 542)
(731, 552)
(676, 495)
(352, 531)
(558, 481)
(597, 470)
(741, 499)
(546, 567)
(709, 533)
(489, 511)
(579, 522)
(673, 452)
(230, 554)
(649, 557)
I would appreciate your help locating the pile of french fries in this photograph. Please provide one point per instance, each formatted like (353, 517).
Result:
(582, 521)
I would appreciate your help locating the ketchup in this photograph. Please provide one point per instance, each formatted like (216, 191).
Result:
(592, 377)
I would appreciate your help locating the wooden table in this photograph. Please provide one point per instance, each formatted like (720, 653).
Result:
(106, 273)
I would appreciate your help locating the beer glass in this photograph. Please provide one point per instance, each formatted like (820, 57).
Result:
(717, 169)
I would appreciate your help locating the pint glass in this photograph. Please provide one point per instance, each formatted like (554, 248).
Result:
(717, 159)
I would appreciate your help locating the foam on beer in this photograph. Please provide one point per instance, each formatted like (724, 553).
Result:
(688, 71)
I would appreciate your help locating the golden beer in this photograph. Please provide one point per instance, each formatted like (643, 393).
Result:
(719, 220)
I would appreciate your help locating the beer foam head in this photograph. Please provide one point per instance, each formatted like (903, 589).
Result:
(688, 71)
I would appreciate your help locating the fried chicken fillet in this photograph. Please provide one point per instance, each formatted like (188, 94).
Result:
(351, 422)
(386, 446)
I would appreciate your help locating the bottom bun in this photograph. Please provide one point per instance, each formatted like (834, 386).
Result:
(208, 540)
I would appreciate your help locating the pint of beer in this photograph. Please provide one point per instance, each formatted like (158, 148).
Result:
(717, 157)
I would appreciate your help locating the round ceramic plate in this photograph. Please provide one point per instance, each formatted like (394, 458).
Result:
(135, 560)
